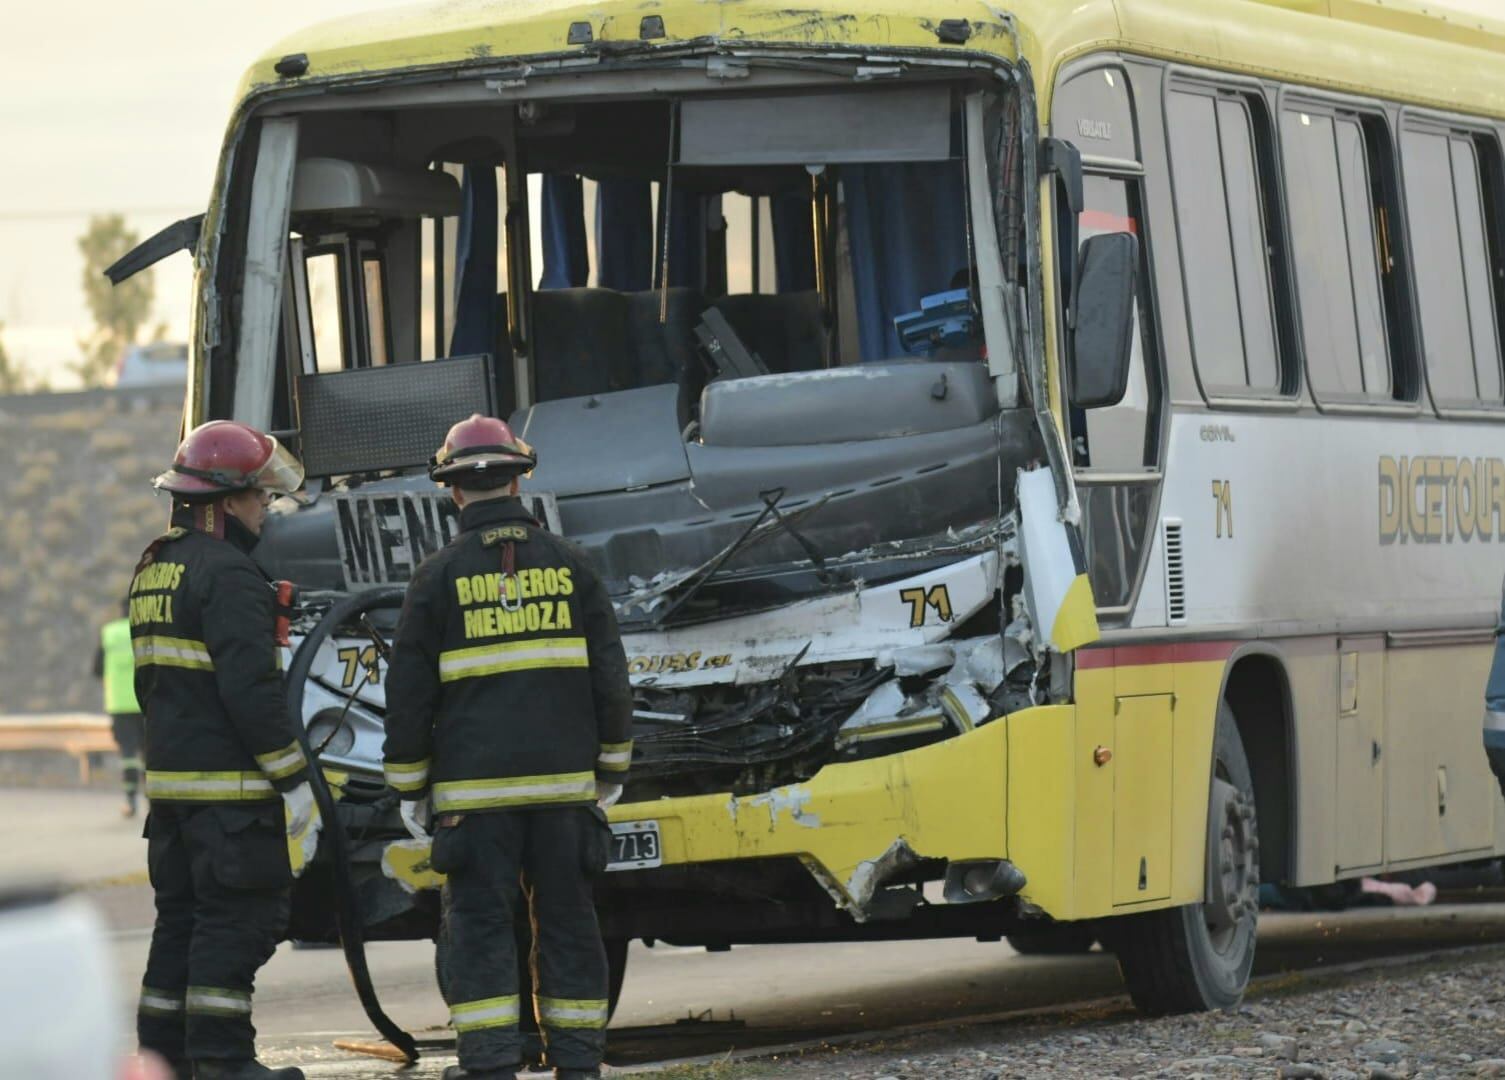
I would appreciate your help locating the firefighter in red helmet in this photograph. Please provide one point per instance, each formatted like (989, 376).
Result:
(224, 770)
(509, 715)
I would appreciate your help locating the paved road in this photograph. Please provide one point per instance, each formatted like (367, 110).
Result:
(782, 994)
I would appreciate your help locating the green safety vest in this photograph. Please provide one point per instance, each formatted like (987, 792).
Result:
(119, 668)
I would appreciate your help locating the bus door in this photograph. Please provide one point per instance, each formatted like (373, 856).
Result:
(1115, 450)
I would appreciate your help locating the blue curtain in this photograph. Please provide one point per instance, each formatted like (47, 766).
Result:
(624, 235)
(566, 261)
(686, 240)
(475, 265)
(793, 242)
(907, 228)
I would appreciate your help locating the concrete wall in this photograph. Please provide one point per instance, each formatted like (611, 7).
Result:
(76, 510)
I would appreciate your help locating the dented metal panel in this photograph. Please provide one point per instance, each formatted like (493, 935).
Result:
(439, 35)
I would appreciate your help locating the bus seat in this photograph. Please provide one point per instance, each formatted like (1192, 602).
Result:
(594, 341)
(583, 339)
(785, 329)
(664, 351)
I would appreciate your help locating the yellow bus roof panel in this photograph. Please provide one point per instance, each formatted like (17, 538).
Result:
(439, 34)
(1402, 49)
(1397, 49)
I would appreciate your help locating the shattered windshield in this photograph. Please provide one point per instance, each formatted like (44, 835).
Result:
(733, 325)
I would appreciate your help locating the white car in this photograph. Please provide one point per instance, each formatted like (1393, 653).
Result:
(162, 363)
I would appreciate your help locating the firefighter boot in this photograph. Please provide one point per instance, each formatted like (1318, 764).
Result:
(455, 1072)
(242, 1070)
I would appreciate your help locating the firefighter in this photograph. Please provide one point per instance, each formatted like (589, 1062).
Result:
(508, 719)
(115, 665)
(220, 749)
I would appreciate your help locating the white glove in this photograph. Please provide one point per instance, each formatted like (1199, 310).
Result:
(607, 794)
(418, 817)
(300, 808)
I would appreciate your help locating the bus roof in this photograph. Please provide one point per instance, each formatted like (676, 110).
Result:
(1400, 49)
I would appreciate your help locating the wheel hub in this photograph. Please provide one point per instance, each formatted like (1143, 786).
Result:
(1233, 856)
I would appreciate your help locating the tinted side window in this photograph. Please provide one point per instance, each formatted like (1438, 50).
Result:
(1444, 207)
(1225, 247)
(1336, 243)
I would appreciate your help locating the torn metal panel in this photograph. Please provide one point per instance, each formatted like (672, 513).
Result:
(964, 693)
(857, 624)
(870, 876)
(917, 659)
(889, 713)
(1061, 605)
(964, 705)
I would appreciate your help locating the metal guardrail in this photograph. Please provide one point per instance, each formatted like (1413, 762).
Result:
(75, 734)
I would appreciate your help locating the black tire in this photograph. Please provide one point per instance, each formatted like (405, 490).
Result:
(616, 962)
(1198, 957)
(1059, 939)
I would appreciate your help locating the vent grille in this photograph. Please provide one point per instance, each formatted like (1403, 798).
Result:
(1175, 573)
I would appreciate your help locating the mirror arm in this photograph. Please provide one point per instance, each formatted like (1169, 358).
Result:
(1062, 159)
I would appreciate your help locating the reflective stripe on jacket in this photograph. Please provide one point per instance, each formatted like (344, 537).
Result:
(506, 690)
(208, 672)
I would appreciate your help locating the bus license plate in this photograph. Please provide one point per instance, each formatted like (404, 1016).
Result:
(634, 845)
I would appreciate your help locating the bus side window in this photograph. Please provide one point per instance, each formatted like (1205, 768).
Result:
(325, 311)
(378, 333)
(1227, 241)
(1448, 204)
(1346, 269)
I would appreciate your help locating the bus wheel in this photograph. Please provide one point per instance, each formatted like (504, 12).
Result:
(1198, 957)
(1061, 939)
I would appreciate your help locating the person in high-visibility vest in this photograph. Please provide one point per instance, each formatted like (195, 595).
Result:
(115, 664)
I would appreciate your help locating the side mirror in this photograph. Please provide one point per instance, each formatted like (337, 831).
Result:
(179, 236)
(1097, 371)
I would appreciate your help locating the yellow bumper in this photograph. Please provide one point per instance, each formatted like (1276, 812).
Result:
(1024, 788)
(949, 800)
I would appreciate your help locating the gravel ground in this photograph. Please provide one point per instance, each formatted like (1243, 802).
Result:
(1439, 1017)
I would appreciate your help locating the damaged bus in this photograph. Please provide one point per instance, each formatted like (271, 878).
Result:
(1044, 457)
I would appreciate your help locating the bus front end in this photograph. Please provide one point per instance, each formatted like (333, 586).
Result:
(766, 299)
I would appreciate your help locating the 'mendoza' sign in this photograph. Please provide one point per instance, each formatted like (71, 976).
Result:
(384, 536)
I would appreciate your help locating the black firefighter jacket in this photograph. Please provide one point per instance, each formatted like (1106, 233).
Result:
(202, 623)
(506, 691)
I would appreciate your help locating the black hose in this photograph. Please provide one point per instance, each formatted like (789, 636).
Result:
(347, 909)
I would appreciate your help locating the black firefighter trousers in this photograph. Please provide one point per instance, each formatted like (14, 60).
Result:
(222, 882)
(548, 857)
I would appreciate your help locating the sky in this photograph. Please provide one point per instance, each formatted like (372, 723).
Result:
(120, 107)
(114, 107)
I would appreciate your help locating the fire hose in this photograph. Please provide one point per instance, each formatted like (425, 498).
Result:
(348, 916)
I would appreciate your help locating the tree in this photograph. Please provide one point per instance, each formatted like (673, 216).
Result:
(118, 310)
(12, 378)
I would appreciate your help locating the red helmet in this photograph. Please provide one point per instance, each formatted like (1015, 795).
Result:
(223, 456)
(482, 448)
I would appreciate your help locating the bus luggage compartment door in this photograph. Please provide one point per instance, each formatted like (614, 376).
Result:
(1142, 791)
(1358, 832)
